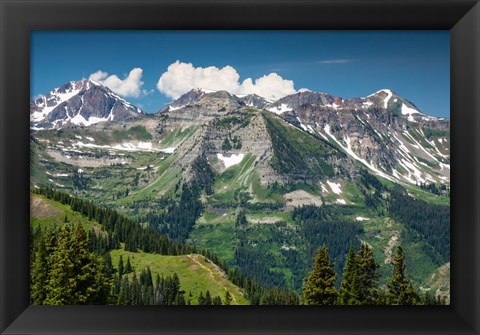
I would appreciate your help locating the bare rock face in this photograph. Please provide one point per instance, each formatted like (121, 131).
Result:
(240, 132)
(253, 100)
(80, 103)
(383, 131)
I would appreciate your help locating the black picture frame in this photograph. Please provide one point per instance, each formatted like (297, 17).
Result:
(19, 17)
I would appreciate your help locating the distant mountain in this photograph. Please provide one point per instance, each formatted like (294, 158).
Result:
(184, 100)
(194, 95)
(253, 100)
(80, 103)
(383, 131)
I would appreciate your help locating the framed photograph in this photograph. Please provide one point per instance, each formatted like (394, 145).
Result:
(226, 167)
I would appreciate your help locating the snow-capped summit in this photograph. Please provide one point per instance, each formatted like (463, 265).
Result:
(83, 103)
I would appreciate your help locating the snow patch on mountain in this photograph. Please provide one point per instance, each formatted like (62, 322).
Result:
(125, 146)
(348, 150)
(335, 187)
(56, 98)
(387, 99)
(408, 111)
(170, 150)
(171, 108)
(230, 160)
(280, 109)
(301, 124)
(81, 121)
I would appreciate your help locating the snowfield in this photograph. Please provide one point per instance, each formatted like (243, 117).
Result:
(280, 109)
(170, 150)
(231, 160)
(335, 187)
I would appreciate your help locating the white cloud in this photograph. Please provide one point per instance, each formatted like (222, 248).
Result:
(147, 92)
(182, 77)
(335, 61)
(131, 86)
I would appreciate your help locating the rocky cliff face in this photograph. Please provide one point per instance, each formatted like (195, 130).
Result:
(383, 131)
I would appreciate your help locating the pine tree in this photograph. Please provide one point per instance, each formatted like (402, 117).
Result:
(121, 268)
(208, 298)
(201, 299)
(108, 264)
(39, 273)
(319, 288)
(76, 276)
(349, 293)
(399, 289)
(368, 276)
(128, 267)
(228, 298)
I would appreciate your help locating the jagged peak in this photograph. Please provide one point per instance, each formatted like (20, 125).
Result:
(383, 90)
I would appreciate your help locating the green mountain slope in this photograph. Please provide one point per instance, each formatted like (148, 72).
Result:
(196, 273)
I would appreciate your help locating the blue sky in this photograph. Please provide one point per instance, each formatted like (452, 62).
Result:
(414, 64)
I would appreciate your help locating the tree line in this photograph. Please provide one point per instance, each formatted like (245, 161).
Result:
(360, 285)
(118, 229)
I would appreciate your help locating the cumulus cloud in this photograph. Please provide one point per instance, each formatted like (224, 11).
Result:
(131, 86)
(181, 77)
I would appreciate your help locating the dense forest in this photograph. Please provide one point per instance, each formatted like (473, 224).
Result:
(95, 274)
(325, 225)
(431, 221)
(71, 266)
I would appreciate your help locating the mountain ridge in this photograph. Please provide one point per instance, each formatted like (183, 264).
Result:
(382, 131)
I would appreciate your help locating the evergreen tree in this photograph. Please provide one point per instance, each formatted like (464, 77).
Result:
(319, 288)
(208, 298)
(108, 264)
(128, 267)
(368, 277)
(121, 268)
(201, 299)
(228, 298)
(76, 275)
(349, 293)
(399, 289)
(39, 272)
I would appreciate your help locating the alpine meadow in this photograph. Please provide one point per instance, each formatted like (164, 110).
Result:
(180, 184)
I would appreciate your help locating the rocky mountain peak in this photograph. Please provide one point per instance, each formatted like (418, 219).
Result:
(82, 103)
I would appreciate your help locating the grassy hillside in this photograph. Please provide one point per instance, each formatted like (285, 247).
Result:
(196, 273)
(46, 212)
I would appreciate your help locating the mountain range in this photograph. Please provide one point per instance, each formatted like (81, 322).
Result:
(224, 157)
(383, 131)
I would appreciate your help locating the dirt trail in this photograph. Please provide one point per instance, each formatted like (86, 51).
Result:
(392, 243)
(193, 259)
